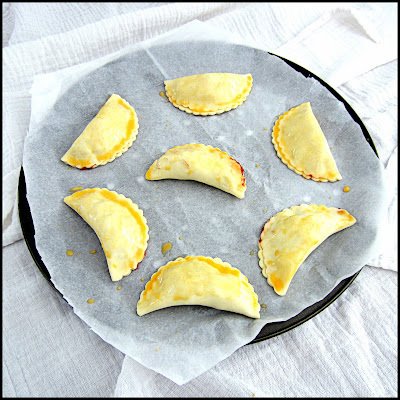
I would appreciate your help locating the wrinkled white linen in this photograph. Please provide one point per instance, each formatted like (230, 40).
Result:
(346, 350)
(313, 360)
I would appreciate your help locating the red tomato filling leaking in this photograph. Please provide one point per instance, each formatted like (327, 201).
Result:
(89, 167)
(241, 170)
(137, 266)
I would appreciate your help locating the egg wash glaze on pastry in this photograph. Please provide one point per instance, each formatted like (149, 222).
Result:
(199, 280)
(119, 224)
(301, 145)
(291, 235)
(209, 93)
(200, 163)
(107, 136)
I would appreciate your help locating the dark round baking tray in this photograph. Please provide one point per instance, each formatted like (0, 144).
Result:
(269, 330)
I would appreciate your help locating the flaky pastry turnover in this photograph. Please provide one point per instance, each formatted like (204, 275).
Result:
(200, 163)
(301, 145)
(119, 224)
(210, 93)
(109, 134)
(291, 235)
(198, 280)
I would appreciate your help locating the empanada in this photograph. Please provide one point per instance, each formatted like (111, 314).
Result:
(201, 281)
(201, 163)
(291, 235)
(109, 134)
(210, 93)
(302, 146)
(118, 223)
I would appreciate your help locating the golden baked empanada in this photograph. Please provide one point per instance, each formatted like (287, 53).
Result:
(302, 146)
(291, 235)
(109, 134)
(201, 163)
(118, 223)
(201, 281)
(208, 94)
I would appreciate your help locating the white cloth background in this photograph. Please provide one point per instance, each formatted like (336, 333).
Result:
(350, 349)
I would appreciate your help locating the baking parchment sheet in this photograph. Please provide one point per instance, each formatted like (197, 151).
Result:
(183, 342)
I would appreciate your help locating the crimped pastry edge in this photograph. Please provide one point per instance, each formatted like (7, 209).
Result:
(209, 147)
(217, 260)
(283, 156)
(287, 211)
(126, 146)
(219, 110)
(131, 204)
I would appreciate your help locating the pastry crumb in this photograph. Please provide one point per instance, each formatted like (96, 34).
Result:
(69, 253)
(346, 189)
(90, 301)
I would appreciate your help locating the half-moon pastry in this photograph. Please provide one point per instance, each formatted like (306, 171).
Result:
(118, 223)
(210, 93)
(302, 146)
(201, 163)
(197, 280)
(109, 134)
(291, 235)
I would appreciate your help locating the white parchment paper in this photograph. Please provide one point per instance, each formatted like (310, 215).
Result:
(183, 342)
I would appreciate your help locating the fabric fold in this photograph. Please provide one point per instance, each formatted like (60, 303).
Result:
(11, 226)
(337, 35)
